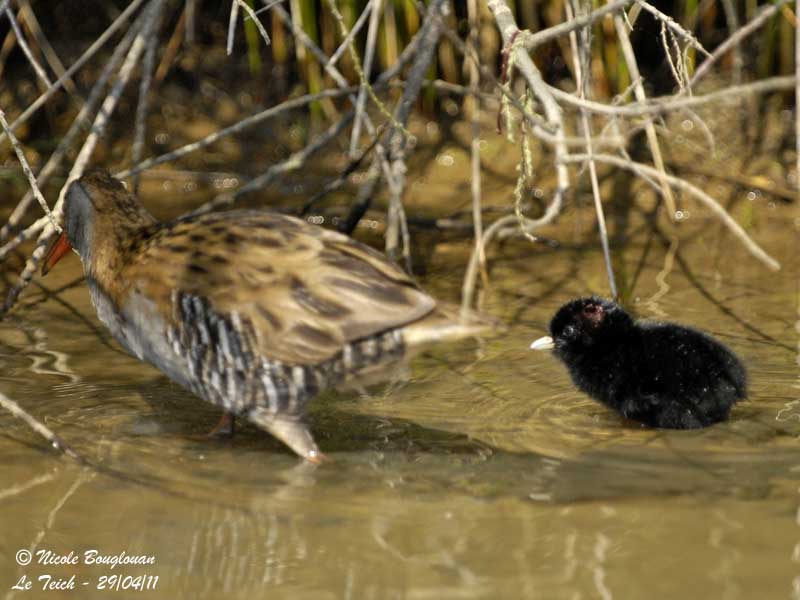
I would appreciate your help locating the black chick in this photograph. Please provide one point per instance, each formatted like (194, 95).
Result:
(660, 374)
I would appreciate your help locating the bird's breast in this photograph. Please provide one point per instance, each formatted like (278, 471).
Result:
(137, 324)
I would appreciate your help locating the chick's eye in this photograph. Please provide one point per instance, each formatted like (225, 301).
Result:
(569, 331)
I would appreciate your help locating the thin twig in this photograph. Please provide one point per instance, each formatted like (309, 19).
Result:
(542, 129)
(363, 74)
(342, 83)
(369, 52)
(508, 28)
(28, 18)
(673, 26)
(736, 39)
(98, 128)
(190, 13)
(348, 39)
(268, 113)
(396, 215)
(695, 191)
(23, 44)
(253, 17)
(39, 427)
(84, 476)
(294, 162)
(662, 105)
(140, 124)
(641, 97)
(232, 26)
(363, 198)
(551, 33)
(340, 179)
(674, 64)
(475, 146)
(17, 489)
(471, 274)
(327, 64)
(797, 93)
(582, 73)
(27, 170)
(267, 5)
(88, 53)
(394, 143)
(179, 34)
(64, 145)
(732, 20)
(235, 128)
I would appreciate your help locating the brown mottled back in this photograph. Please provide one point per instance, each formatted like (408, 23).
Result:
(306, 291)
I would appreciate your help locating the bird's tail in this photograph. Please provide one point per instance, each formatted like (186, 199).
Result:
(446, 323)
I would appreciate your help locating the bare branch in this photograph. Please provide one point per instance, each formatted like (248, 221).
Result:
(508, 29)
(663, 105)
(673, 26)
(64, 145)
(236, 128)
(551, 33)
(234, 17)
(736, 38)
(797, 93)
(582, 73)
(475, 148)
(27, 170)
(23, 44)
(90, 51)
(254, 17)
(294, 162)
(641, 97)
(695, 191)
(372, 35)
(32, 24)
(16, 410)
(98, 128)
(148, 66)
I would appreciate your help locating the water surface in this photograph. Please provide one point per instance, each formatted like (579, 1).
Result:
(482, 474)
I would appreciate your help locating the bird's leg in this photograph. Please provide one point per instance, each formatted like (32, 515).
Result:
(225, 427)
(291, 431)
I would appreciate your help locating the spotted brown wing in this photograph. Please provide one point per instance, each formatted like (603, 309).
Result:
(301, 291)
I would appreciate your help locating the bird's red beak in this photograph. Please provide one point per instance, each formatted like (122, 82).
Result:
(58, 248)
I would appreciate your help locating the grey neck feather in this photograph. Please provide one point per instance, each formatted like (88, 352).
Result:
(78, 221)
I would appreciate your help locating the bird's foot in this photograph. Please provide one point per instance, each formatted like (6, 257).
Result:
(225, 428)
(291, 431)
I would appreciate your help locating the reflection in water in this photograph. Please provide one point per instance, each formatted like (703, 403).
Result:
(661, 279)
(19, 488)
(601, 546)
(796, 556)
(46, 361)
(721, 539)
(46, 527)
(485, 475)
(792, 411)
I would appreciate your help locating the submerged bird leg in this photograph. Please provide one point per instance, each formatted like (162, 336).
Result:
(226, 426)
(291, 431)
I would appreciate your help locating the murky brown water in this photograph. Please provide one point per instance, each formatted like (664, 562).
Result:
(485, 474)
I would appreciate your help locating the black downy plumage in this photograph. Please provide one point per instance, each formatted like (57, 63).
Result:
(660, 374)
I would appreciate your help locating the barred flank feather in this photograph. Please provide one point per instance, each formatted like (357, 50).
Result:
(226, 369)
